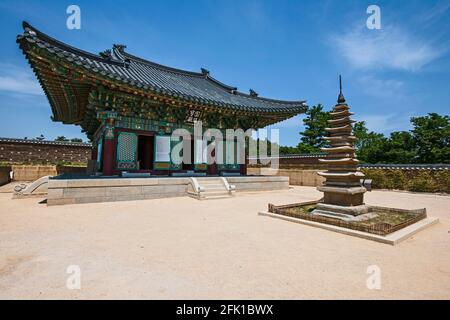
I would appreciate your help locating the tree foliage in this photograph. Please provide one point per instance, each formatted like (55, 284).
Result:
(63, 138)
(427, 142)
(370, 146)
(432, 138)
(315, 124)
(400, 148)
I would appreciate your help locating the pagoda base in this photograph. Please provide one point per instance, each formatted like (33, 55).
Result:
(345, 203)
(346, 213)
(343, 196)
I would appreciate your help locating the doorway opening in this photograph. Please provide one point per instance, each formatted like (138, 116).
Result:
(145, 152)
(188, 154)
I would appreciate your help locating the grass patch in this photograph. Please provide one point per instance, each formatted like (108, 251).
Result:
(386, 220)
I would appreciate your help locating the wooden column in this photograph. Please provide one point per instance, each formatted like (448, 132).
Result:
(243, 166)
(212, 167)
(109, 144)
(94, 152)
(243, 169)
(243, 162)
(109, 151)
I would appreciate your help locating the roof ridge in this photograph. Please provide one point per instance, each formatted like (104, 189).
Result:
(121, 53)
(27, 27)
(119, 50)
(247, 95)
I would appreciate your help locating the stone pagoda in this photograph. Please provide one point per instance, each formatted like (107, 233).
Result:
(343, 192)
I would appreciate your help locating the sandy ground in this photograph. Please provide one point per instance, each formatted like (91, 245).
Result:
(182, 248)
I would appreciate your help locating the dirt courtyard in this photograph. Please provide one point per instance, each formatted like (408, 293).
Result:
(182, 248)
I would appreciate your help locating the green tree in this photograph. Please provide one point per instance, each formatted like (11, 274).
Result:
(76, 140)
(315, 124)
(400, 148)
(428, 142)
(432, 137)
(370, 146)
(40, 138)
(61, 138)
(288, 150)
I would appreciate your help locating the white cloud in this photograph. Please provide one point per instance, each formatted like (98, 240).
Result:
(385, 123)
(435, 13)
(293, 122)
(382, 88)
(389, 48)
(17, 80)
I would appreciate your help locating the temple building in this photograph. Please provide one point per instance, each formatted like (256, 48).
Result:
(129, 106)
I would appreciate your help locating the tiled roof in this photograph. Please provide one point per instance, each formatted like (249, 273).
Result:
(46, 142)
(413, 166)
(198, 87)
(293, 156)
(393, 166)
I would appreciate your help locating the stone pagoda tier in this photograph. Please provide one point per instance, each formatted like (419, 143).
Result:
(343, 193)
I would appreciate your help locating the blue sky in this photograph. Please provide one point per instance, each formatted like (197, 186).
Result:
(281, 49)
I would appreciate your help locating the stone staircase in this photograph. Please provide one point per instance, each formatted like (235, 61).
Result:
(210, 188)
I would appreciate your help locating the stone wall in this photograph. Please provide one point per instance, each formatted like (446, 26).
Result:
(294, 161)
(297, 177)
(422, 180)
(31, 173)
(45, 152)
(260, 183)
(34, 172)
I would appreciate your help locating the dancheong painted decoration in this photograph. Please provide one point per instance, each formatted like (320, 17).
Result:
(127, 105)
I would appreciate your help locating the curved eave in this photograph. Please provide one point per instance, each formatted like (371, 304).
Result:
(72, 55)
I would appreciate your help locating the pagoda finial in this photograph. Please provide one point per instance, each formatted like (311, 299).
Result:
(341, 98)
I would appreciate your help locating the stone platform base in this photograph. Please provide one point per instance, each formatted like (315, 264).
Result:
(340, 212)
(71, 191)
(392, 238)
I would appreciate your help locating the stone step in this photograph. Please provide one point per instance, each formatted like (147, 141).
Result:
(215, 188)
(213, 185)
(210, 182)
(209, 179)
(212, 188)
(216, 197)
(215, 192)
(208, 186)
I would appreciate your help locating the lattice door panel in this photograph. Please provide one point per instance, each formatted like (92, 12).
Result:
(126, 150)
